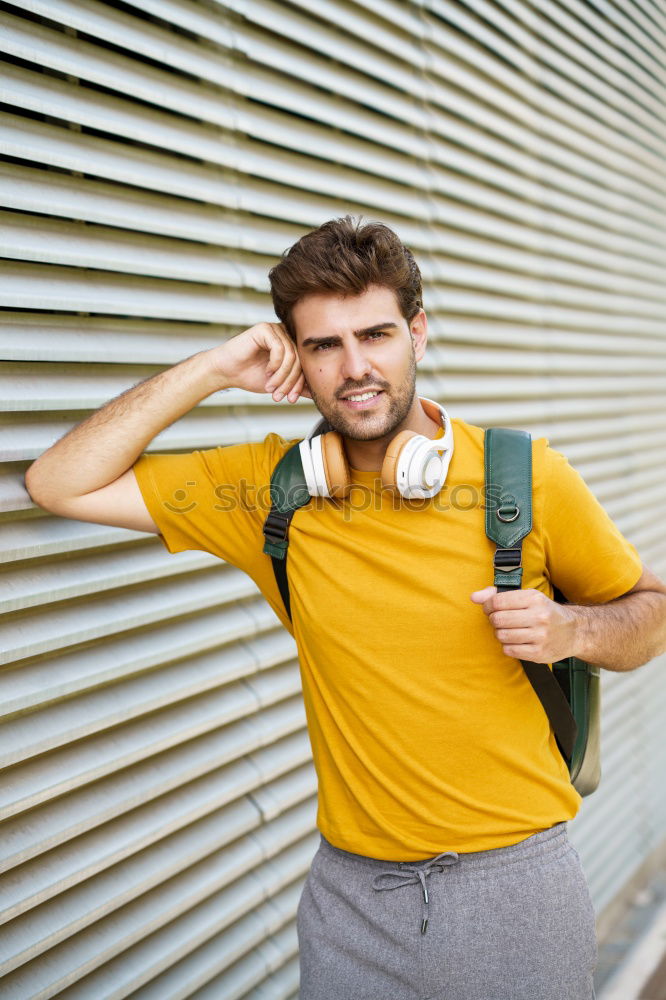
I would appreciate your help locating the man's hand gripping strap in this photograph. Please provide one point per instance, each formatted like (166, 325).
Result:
(508, 481)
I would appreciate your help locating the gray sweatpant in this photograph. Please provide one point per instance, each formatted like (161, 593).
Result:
(514, 923)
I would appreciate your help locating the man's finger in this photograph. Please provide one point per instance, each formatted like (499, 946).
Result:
(484, 597)
(513, 618)
(515, 636)
(508, 600)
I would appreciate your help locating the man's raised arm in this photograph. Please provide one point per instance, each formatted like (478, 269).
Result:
(88, 475)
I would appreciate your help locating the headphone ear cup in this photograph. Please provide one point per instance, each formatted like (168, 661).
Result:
(390, 463)
(336, 467)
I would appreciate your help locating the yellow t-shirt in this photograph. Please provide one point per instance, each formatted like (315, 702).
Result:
(425, 735)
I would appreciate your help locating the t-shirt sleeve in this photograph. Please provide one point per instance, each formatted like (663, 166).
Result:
(215, 499)
(587, 556)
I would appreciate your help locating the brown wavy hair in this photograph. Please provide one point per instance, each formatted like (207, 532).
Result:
(343, 257)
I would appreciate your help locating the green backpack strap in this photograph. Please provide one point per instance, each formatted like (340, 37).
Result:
(288, 492)
(508, 482)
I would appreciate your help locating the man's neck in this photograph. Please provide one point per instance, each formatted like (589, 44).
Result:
(368, 456)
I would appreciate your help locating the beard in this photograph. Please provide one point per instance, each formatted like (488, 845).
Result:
(368, 425)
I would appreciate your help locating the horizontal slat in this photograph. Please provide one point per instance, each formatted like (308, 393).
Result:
(248, 973)
(88, 574)
(121, 117)
(46, 631)
(389, 36)
(116, 116)
(196, 430)
(218, 933)
(641, 60)
(37, 239)
(27, 189)
(52, 338)
(131, 834)
(89, 807)
(463, 47)
(29, 389)
(547, 278)
(540, 412)
(147, 169)
(121, 841)
(594, 456)
(100, 247)
(570, 436)
(99, 711)
(13, 494)
(558, 211)
(577, 53)
(52, 287)
(632, 24)
(492, 407)
(546, 311)
(32, 934)
(75, 671)
(67, 768)
(30, 190)
(130, 34)
(45, 535)
(209, 881)
(283, 983)
(76, 290)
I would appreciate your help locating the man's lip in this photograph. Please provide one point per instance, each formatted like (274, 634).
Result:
(360, 392)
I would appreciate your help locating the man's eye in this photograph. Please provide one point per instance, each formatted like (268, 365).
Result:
(328, 343)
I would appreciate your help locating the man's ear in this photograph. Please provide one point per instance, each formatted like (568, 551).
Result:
(419, 333)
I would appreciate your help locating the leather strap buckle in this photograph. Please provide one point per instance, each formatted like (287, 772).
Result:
(507, 560)
(276, 526)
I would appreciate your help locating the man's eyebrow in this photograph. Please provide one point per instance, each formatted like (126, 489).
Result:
(333, 339)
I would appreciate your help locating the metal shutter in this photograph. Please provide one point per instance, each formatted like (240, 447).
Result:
(158, 794)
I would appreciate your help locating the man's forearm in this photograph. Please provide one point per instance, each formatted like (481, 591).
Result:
(623, 634)
(106, 444)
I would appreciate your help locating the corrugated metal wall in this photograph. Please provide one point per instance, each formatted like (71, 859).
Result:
(158, 798)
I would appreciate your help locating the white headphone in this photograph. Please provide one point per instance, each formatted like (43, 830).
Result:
(414, 465)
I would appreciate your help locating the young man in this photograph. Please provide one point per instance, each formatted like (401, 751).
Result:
(444, 869)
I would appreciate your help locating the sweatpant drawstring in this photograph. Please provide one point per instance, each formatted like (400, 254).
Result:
(409, 874)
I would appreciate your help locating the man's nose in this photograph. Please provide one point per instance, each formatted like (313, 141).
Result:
(356, 364)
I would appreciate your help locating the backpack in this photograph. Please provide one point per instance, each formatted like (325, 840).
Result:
(570, 693)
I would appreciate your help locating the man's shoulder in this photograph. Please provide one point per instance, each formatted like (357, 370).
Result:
(473, 435)
(465, 433)
(470, 440)
(273, 447)
(255, 458)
